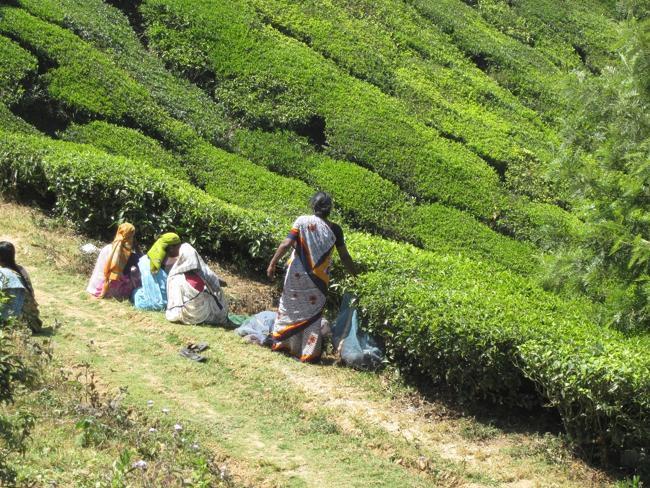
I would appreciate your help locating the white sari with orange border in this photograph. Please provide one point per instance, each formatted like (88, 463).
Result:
(297, 328)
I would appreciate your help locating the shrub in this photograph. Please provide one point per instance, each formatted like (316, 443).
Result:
(130, 143)
(10, 122)
(370, 202)
(361, 124)
(494, 335)
(15, 65)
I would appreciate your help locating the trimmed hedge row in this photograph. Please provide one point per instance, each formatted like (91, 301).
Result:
(15, 65)
(564, 32)
(97, 190)
(12, 123)
(234, 180)
(370, 202)
(488, 334)
(518, 67)
(361, 123)
(430, 88)
(130, 143)
(90, 85)
(108, 30)
(267, 69)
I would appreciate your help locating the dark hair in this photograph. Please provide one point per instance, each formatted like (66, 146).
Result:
(321, 203)
(8, 260)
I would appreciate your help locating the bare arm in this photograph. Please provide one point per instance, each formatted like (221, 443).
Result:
(279, 253)
(347, 261)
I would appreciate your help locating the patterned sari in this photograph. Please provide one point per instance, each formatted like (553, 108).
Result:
(194, 292)
(297, 328)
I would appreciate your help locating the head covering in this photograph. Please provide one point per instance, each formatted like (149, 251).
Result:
(120, 253)
(188, 261)
(158, 251)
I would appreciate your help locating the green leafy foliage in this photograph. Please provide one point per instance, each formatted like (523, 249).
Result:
(15, 65)
(607, 162)
(371, 202)
(130, 143)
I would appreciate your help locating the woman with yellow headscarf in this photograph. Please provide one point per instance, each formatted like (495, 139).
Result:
(154, 267)
(110, 277)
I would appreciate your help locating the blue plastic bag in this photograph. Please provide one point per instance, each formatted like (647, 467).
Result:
(355, 347)
(258, 328)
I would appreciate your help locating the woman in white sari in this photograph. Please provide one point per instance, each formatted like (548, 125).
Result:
(194, 294)
(297, 329)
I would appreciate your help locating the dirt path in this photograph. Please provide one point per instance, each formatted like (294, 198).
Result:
(277, 422)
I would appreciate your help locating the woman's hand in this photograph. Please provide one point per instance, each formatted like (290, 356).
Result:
(270, 271)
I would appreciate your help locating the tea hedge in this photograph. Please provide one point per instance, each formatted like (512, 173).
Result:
(13, 123)
(491, 334)
(15, 65)
(96, 190)
(571, 34)
(519, 67)
(90, 85)
(130, 143)
(369, 53)
(361, 123)
(265, 68)
(488, 334)
(370, 202)
(109, 31)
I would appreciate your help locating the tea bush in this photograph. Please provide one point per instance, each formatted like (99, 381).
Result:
(130, 143)
(10, 122)
(15, 65)
(372, 203)
(368, 52)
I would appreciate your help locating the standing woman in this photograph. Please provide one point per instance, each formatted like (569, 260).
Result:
(313, 238)
(153, 268)
(15, 281)
(110, 277)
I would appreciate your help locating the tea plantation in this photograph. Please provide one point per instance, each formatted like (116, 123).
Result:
(434, 125)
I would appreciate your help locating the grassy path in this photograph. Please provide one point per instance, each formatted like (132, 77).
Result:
(276, 421)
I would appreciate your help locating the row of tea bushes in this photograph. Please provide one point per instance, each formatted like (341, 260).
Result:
(90, 85)
(489, 334)
(235, 180)
(573, 35)
(108, 30)
(438, 93)
(274, 81)
(373, 203)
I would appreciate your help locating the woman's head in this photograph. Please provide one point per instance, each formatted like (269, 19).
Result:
(7, 255)
(321, 204)
(167, 245)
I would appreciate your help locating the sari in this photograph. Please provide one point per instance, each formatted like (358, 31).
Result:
(121, 250)
(194, 293)
(152, 295)
(297, 328)
(119, 287)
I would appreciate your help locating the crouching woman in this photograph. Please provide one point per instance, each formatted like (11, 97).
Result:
(194, 293)
(17, 288)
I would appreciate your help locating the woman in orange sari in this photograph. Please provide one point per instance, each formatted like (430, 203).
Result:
(110, 277)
